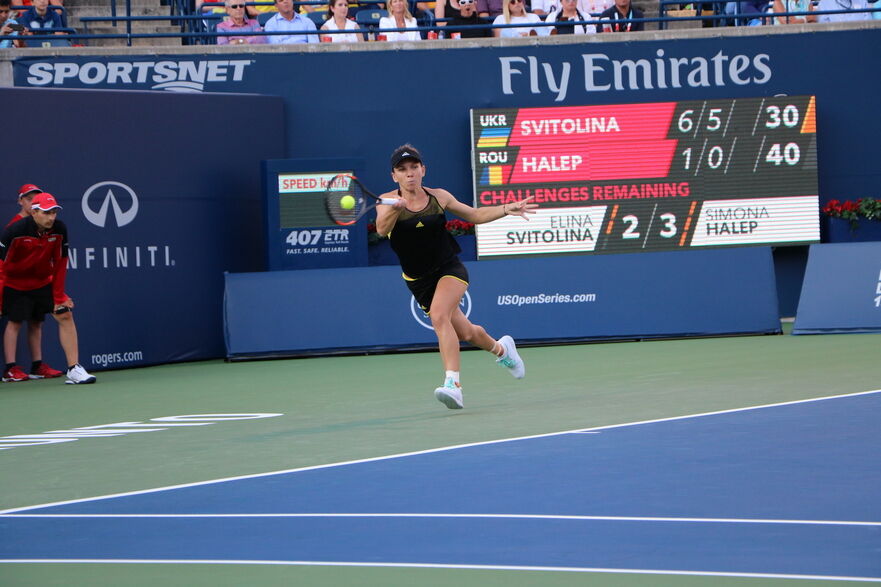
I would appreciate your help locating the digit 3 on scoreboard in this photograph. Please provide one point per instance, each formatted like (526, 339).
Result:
(648, 226)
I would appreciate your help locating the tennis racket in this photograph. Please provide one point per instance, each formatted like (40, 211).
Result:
(347, 200)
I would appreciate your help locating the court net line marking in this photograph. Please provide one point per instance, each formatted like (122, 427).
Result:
(434, 450)
(450, 566)
(563, 517)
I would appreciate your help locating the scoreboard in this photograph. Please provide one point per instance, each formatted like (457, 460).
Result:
(648, 177)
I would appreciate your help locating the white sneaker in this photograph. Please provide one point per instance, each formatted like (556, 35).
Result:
(511, 360)
(77, 374)
(450, 394)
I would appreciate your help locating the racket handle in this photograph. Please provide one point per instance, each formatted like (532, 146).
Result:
(388, 201)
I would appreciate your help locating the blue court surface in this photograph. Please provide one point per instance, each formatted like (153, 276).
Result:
(787, 490)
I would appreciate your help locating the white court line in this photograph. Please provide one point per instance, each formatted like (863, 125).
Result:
(433, 450)
(467, 516)
(443, 566)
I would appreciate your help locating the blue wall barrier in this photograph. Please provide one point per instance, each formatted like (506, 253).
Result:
(161, 195)
(691, 293)
(842, 290)
(324, 118)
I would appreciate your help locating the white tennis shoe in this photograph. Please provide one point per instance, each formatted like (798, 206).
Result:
(450, 394)
(77, 374)
(511, 359)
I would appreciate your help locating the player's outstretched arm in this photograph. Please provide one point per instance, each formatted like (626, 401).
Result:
(485, 214)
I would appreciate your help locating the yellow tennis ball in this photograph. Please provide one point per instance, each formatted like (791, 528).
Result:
(347, 202)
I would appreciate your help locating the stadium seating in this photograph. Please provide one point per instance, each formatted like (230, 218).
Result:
(369, 20)
(264, 17)
(318, 17)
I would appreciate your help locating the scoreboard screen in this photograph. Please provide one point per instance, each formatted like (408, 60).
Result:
(648, 177)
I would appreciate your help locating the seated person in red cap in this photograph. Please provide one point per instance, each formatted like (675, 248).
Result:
(33, 259)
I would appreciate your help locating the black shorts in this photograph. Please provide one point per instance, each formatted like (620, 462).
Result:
(423, 288)
(30, 305)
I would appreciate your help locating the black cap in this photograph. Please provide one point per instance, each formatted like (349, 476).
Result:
(405, 152)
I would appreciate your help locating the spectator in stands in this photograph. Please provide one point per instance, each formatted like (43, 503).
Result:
(585, 7)
(33, 259)
(6, 26)
(621, 11)
(855, 5)
(399, 18)
(39, 369)
(289, 21)
(238, 22)
(260, 7)
(514, 12)
(446, 9)
(337, 20)
(467, 15)
(794, 6)
(38, 18)
(570, 12)
(750, 13)
(202, 9)
(490, 8)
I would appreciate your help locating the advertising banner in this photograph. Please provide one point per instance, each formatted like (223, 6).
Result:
(338, 105)
(300, 234)
(161, 195)
(632, 296)
(841, 290)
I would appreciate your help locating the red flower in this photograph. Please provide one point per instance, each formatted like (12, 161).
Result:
(863, 208)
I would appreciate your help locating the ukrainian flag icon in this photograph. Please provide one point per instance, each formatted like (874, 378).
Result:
(494, 137)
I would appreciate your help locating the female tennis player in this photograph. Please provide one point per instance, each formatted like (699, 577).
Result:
(416, 227)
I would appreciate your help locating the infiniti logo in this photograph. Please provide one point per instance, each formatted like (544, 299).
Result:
(423, 319)
(107, 193)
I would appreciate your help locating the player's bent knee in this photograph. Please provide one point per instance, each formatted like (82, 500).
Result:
(440, 318)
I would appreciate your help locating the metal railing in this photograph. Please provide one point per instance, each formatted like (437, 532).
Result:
(202, 35)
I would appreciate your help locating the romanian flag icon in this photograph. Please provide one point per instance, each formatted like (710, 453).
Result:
(495, 174)
(494, 137)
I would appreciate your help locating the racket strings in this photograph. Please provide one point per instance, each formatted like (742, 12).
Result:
(341, 187)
